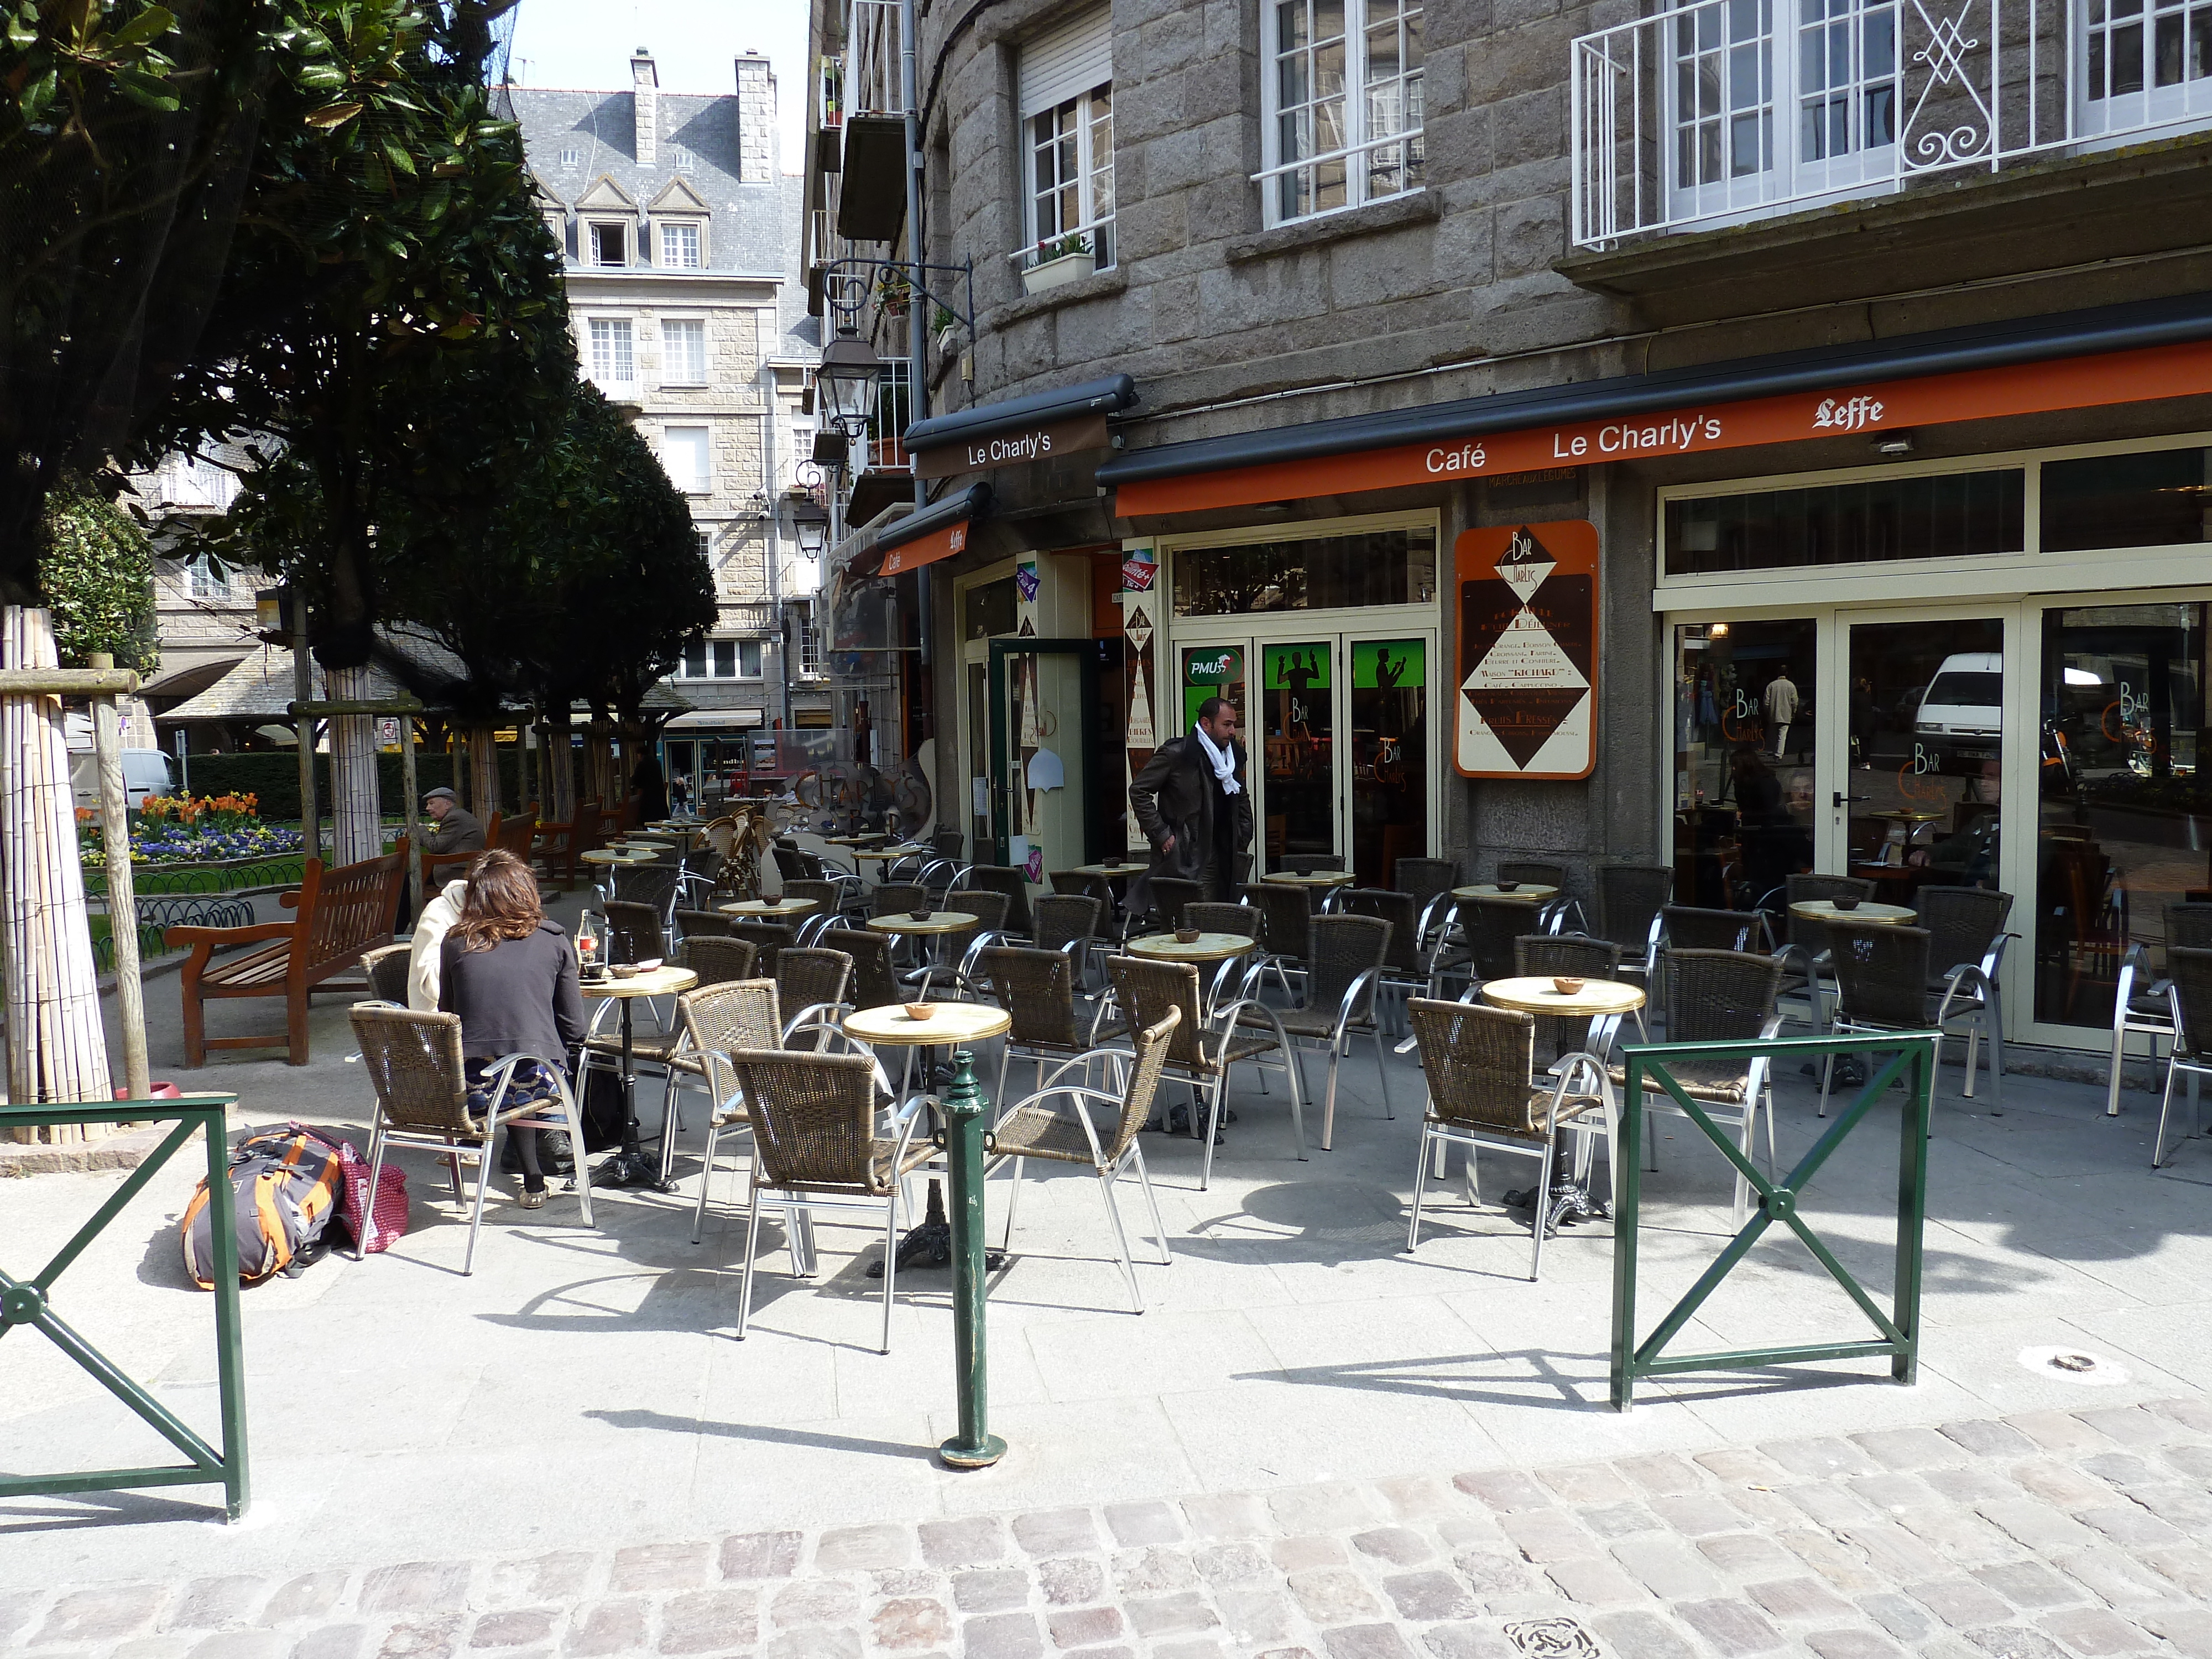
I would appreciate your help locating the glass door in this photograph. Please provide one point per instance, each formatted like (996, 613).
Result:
(1044, 754)
(1298, 727)
(1926, 712)
(1387, 716)
(1748, 743)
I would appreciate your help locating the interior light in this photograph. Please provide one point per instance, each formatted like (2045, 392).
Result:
(2081, 677)
(1718, 631)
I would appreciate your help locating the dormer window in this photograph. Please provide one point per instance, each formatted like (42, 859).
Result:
(610, 246)
(572, 158)
(679, 246)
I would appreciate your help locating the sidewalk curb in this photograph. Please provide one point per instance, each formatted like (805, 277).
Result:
(126, 1151)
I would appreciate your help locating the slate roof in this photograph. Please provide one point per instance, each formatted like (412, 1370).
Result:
(754, 228)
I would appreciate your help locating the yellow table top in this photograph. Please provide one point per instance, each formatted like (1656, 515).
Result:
(655, 982)
(1528, 892)
(789, 907)
(1315, 879)
(1823, 911)
(852, 841)
(616, 855)
(1910, 815)
(939, 921)
(1206, 947)
(893, 854)
(1110, 869)
(953, 1022)
(1537, 995)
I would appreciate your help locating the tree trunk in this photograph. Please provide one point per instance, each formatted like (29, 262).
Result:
(483, 791)
(599, 764)
(561, 756)
(57, 1046)
(356, 809)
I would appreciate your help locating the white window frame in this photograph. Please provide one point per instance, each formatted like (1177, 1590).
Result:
(1354, 145)
(1091, 115)
(629, 234)
(672, 230)
(2102, 43)
(710, 650)
(701, 483)
(208, 578)
(572, 157)
(670, 372)
(622, 328)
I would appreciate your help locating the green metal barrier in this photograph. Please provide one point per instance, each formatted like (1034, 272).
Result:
(1773, 1201)
(28, 1302)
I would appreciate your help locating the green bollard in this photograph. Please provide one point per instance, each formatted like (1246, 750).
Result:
(974, 1447)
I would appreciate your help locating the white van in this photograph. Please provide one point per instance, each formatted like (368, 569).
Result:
(1962, 711)
(145, 772)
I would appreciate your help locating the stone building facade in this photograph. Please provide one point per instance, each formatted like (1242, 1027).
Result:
(679, 231)
(1743, 442)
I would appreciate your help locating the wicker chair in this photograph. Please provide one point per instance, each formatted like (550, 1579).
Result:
(718, 959)
(1286, 914)
(955, 957)
(1424, 880)
(1408, 969)
(1037, 988)
(1882, 981)
(2189, 998)
(695, 924)
(1686, 927)
(826, 895)
(634, 932)
(895, 898)
(385, 968)
(1533, 872)
(1486, 930)
(1345, 970)
(1719, 996)
(1002, 878)
(811, 980)
(815, 1146)
(717, 1020)
(2141, 1002)
(1200, 1053)
(768, 939)
(875, 982)
(1211, 916)
(938, 875)
(655, 885)
(1573, 955)
(1804, 948)
(1075, 883)
(1032, 1129)
(1630, 897)
(947, 843)
(1483, 1091)
(1170, 895)
(414, 1063)
(1064, 921)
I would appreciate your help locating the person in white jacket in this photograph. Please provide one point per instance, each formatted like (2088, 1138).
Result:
(439, 914)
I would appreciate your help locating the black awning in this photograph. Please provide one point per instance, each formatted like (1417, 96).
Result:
(1103, 396)
(969, 503)
(1980, 345)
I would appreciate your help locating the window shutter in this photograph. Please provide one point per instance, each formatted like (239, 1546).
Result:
(1068, 58)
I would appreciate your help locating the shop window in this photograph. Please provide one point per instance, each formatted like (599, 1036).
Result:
(989, 609)
(1947, 516)
(2124, 818)
(1745, 757)
(2163, 499)
(1320, 572)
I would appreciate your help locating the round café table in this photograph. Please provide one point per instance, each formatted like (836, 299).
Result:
(1604, 1003)
(889, 855)
(1525, 892)
(926, 931)
(1324, 882)
(1224, 948)
(611, 858)
(1897, 915)
(929, 1243)
(772, 908)
(1112, 871)
(630, 1167)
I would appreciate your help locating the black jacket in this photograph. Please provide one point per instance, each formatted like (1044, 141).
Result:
(1174, 796)
(459, 831)
(520, 997)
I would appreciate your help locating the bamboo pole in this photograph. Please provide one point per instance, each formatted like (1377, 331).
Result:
(414, 809)
(122, 897)
(57, 1047)
(303, 728)
(356, 810)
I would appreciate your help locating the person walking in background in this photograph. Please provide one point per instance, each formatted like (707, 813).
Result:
(1781, 702)
(1192, 805)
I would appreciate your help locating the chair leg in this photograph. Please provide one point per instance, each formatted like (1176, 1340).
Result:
(1543, 1199)
(1297, 1086)
(1828, 1071)
(705, 1177)
(1212, 1124)
(1383, 1073)
(1973, 1055)
(1013, 1201)
(1328, 1111)
(752, 1249)
(2119, 1055)
(1120, 1239)
(572, 1110)
(891, 1261)
(375, 1169)
(1420, 1185)
(476, 1216)
(2165, 1104)
(1151, 1204)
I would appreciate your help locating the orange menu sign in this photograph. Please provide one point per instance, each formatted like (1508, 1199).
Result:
(2119, 377)
(926, 550)
(1526, 705)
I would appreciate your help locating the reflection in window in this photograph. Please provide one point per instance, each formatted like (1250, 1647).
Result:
(1744, 758)
(1383, 567)
(989, 609)
(2162, 499)
(2124, 819)
(1952, 516)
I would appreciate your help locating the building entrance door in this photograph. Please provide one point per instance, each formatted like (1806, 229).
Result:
(1339, 725)
(1044, 754)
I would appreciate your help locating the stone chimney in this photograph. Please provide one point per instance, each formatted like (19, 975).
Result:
(645, 87)
(756, 121)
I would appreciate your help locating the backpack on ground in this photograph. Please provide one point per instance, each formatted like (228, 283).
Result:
(284, 1189)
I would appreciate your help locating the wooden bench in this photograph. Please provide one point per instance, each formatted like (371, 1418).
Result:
(342, 913)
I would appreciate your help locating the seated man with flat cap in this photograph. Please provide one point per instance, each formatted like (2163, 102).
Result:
(454, 828)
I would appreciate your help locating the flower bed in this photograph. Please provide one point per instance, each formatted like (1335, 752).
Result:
(219, 832)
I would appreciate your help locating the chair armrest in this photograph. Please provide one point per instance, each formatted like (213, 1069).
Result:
(289, 898)
(1771, 1028)
(251, 934)
(1227, 1020)
(816, 1013)
(1363, 985)
(1079, 1096)
(1580, 1063)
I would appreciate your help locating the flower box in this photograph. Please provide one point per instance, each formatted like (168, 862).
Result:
(1057, 271)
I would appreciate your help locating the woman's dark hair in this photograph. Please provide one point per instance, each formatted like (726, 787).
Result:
(501, 903)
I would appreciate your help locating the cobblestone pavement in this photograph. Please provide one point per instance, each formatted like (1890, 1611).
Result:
(2035, 1536)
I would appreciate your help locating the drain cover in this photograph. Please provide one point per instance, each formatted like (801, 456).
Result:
(2073, 1365)
(1553, 1638)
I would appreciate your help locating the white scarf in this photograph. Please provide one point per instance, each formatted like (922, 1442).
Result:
(1225, 761)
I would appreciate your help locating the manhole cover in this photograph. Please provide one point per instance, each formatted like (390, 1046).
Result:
(1553, 1639)
(2091, 1371)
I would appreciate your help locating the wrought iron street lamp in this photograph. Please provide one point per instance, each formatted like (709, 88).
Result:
(848, 378)
(806, 522)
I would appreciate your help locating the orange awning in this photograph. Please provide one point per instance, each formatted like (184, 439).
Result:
(2142, 375)
(926, 550)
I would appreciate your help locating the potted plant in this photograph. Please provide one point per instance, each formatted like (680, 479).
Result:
(894, 294)
(1059, 259)
(945, 326)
